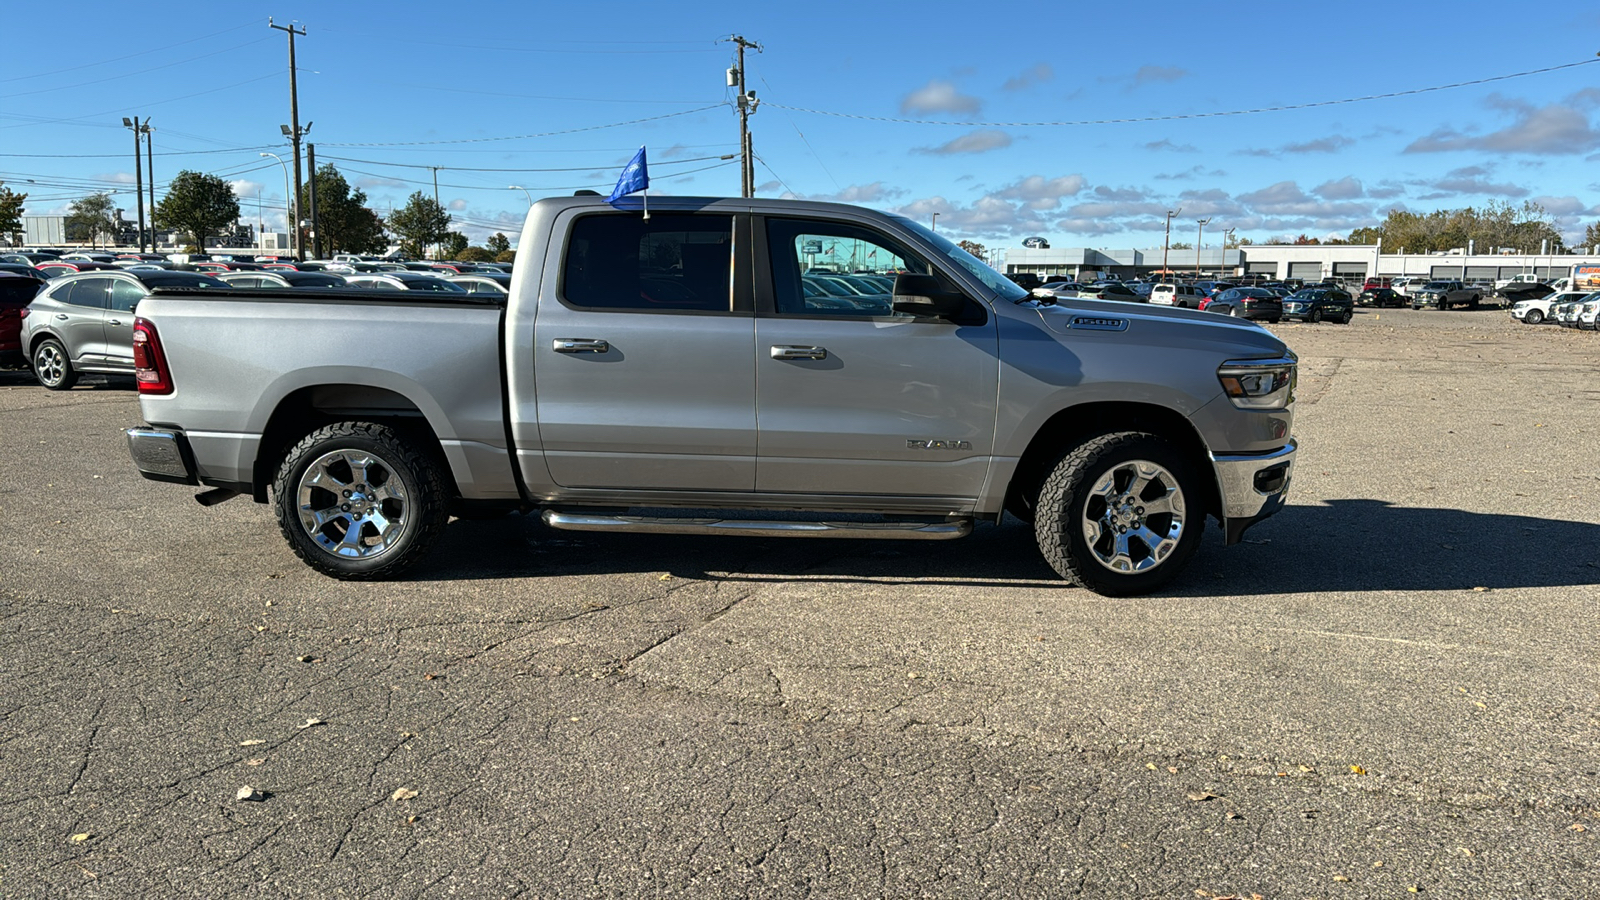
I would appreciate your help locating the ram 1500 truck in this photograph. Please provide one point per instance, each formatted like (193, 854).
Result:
(678, 373)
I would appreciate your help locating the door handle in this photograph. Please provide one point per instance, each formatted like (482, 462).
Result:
(580, 345)
(784, 351)
(114, 322)
(62, 316)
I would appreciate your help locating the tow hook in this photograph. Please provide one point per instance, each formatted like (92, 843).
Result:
(215, 496)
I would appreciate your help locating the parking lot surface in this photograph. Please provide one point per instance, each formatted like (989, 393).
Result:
(1390, 689)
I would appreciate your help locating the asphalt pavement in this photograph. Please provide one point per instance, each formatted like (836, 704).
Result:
(1388, 690)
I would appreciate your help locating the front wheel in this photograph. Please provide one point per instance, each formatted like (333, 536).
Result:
(1316, 315)
(1533, 317)
(52, 367)
(1120, 514)
(359, 500)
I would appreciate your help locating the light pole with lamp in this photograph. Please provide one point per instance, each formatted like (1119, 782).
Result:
(138, 175)
(1199, 239)
(1166, 242)
(935, 222)
(288, 217)
(1223, 266)
(518, 187)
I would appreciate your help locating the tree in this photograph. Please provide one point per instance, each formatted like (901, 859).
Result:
(475, 254)
(506, 256)
(498, 243)
(199, 204)
(1181, 245)
(343, 219)
(422, 221)
(452, 245)
(973, 247)
(10, 210)
(91, 217)
(1306, 241)
(1591, 235)
(1499, 224)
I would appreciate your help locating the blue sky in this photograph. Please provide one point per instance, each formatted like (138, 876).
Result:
(395, 88)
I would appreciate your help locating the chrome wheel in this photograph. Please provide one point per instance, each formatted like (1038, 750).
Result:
(1133, 516)
(50, 364)
(352, 504)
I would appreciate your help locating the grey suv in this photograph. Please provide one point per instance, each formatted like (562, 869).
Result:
(84, 322)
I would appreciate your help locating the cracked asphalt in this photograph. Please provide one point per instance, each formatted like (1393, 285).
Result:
(1388, 690)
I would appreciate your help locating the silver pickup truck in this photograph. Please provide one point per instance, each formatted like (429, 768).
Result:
(683, 373)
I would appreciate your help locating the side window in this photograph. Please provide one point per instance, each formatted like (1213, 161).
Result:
(672, 262)
(125, 295)
(835, 268)
(91, 293)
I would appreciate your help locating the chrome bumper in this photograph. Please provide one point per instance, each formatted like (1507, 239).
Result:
(161, 455)
(1253, 487)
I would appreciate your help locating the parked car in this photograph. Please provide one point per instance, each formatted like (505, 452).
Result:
(1445, 294)
(1380, 297)
(84, 322)
(1529, 290)
(99, 256)
(1589, 313)
(280, 279)
(1184, 296)
(1374, 283)
(403, 281)
(1535, 310)
(1112, 290)
(55, 268)
(1213, 288)
(1405, 284)
(16, 292)
(26, 271)
(1314, 304)
(1247, 303)
(499, 284)
(27, 257)
(1566, 312)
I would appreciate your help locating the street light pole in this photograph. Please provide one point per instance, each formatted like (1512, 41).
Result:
(287, 214)
(1224, 265)
(150, 170)
(518, 187)
(1166, 241)
(138, 175)
(935, 222)
(1199, 239)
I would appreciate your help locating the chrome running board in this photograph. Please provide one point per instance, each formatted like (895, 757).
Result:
(912, 531)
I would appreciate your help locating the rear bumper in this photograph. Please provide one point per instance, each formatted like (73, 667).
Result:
(1253, 487)
(162, 455)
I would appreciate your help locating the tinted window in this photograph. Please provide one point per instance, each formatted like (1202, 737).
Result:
(434, 284)
(15, 292)
(837, 260)
(670, 262)
(92, 293)
(125, 295)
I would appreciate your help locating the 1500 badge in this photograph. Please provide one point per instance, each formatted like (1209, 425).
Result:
(938, 445)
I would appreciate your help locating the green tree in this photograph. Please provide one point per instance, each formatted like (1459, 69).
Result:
(451, 246)
(345, 222)
(506, 256)
(198, 204)
(1181, 245)
(422, 221)
(92, 217)
(498, 243)
(1591, 235)
(475, 254)
(973, 247)
(10, 210)
(1498, 224)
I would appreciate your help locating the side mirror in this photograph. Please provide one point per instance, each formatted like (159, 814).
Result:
(922, 295)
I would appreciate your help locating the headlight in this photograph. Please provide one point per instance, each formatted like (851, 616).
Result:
(1259, 383)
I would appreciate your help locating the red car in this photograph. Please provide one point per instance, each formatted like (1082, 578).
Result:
(16, 292)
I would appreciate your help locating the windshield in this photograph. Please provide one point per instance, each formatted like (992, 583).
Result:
(974, 266)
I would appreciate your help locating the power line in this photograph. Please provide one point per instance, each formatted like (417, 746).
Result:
(515, 137)
(558, 187)
(374, 162)
(1178, 116)
(120, 75)
(79, 119)
(121, 155)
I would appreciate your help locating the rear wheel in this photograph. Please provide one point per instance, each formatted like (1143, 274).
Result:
(52, 367)
(1120, 514)
(359, 500)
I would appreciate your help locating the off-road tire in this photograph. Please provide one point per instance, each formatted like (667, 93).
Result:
(423, 516)
(1063, 501)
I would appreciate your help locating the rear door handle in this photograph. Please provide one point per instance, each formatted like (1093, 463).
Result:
(784, 351)
(580, 345)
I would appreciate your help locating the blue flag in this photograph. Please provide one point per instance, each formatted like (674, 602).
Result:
(635, 177)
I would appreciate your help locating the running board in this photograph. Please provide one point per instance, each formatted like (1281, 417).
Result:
(913, 531)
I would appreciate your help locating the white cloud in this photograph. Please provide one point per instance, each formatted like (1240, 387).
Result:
(939, 97)
(1346, 188)
(1553, 130)
(456, 205)
(972, 142)
(1036, 74)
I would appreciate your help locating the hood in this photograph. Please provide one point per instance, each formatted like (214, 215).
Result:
(1157, 326)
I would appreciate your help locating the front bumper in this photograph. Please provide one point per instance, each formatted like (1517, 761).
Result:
(162, 455)
(1253, 487)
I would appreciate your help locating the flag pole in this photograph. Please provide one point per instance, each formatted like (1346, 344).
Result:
(646, 194)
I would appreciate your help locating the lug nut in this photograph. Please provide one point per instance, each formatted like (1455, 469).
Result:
(1139, 510)
(345, 507)
(347, 493)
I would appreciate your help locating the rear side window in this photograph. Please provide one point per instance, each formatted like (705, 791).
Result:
(90, 293)
(672, 262)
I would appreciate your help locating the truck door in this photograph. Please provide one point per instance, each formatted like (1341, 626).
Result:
(643, 362)
(852, 397)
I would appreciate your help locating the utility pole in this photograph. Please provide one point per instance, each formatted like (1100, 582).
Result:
(1166, 243)
(747, 104)
(138, 175)
(294, 121)
(1198, 241)
(311, 191)
(435, 199)
(150, 169)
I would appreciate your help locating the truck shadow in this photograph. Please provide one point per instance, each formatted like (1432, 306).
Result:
(1346, 545)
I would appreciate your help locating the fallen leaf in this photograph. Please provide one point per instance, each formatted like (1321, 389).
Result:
(1306, 768)
(1281, 774)
(411, 820)
(401, 794)
(1480, 704)
(253, 742)
(1172, 769)
(79, 838)
(665, 578)
(312, 723)
(1578, 826)
(248, 794)
(1378, 864)
(1464, 851)
(1201, 796)
(254, 762)
(1341, 878)
(1414, 889)
(1150, 766)
(308, 659)
(1358, 770)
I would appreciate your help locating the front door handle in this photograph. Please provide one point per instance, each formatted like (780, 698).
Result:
(784, 351)
(62, 316)
(114, 322)
(580, 345)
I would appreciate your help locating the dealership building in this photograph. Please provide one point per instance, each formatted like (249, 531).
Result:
(1308, 262)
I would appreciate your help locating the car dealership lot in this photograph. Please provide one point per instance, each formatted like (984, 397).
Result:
(1392, 684)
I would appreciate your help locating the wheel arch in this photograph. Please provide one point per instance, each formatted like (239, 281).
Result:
(1072, 426)
(308, 408)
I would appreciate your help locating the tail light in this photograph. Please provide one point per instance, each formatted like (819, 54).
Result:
(23, 312)
(149, 363)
